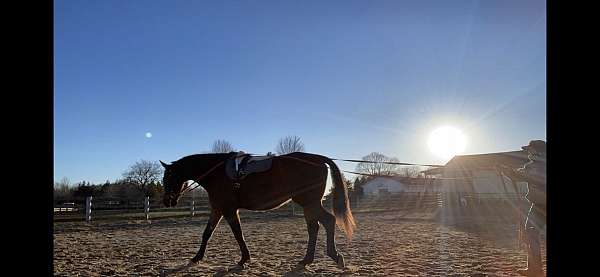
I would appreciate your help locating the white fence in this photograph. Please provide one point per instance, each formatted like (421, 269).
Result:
(92, 208)
(98, 208)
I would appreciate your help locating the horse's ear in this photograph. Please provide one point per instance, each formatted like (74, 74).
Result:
(163, 164)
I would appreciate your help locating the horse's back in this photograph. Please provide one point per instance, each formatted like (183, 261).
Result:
(298, 175)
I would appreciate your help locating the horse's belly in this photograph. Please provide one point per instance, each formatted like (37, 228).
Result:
(273, 207)
(270, 205)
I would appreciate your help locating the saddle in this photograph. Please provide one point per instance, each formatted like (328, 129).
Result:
(239, 165)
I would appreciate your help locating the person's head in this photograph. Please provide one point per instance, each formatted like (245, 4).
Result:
(536, 148)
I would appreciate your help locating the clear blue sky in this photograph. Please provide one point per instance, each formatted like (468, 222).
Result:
(348, 77)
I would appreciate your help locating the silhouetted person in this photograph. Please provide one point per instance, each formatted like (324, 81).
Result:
(534, 173)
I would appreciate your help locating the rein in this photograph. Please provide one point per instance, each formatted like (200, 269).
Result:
(196, 180)
(298, 159)
(389, 176)
(363, 161)
(397, 163)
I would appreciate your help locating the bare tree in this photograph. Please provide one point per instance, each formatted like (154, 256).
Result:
(375, 167)
(62, 183)
(412, 172)
(142, 174)
(222, 146)
(62, 188)
(289, 144)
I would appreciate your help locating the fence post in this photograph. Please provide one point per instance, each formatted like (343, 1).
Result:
(88, 209)
(192, 213)
(147, 207)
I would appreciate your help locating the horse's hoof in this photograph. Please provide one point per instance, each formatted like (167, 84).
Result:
(237, 267)
(341, 263)
(241, 264)
(195, 260)
(299, 267)
(304, 262)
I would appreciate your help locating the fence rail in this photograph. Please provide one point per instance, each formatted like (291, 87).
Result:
(147, 208)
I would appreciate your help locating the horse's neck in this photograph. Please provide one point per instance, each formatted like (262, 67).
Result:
(201, 164)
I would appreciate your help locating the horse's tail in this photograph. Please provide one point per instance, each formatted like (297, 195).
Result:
(341, 205)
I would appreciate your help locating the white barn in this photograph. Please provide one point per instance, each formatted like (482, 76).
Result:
(383, 185)
(397, 184)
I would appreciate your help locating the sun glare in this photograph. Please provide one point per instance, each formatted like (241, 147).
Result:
(446, 142)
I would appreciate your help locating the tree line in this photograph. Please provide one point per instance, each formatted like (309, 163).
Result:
(143, 178)
(373, 168)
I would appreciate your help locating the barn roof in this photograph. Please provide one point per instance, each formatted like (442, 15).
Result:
(512, 159)
(433, 171)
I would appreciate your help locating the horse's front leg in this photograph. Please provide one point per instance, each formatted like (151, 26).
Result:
(234, 222)
(213, 221)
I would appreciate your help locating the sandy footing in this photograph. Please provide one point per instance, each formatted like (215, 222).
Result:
(384, 244)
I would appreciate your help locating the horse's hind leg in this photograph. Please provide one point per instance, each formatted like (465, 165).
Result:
(311, 215)
(328, 221)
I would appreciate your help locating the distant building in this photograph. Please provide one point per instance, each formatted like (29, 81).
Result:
(477, 174)
(396, 184)
(383, 185)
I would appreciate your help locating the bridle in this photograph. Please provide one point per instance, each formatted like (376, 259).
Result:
(187, 188)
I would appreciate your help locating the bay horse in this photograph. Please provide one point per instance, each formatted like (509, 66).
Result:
(298, 176)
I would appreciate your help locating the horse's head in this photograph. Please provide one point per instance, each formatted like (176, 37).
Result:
(173, 182)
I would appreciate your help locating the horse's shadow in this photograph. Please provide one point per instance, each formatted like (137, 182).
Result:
(171, 271)
(219, 273)
(298, 272)
(295, 271)
(301, 271)
(224, 271)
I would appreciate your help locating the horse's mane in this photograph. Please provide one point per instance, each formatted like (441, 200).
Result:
(199, 157)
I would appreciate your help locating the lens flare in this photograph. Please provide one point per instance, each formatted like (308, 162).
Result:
(446, 142)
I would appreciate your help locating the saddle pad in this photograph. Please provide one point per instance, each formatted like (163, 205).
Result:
(239, 165)
(258, 164)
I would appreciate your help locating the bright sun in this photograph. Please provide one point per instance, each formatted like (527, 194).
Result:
(446, 142)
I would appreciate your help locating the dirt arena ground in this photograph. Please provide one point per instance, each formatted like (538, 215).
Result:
(385, 244)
